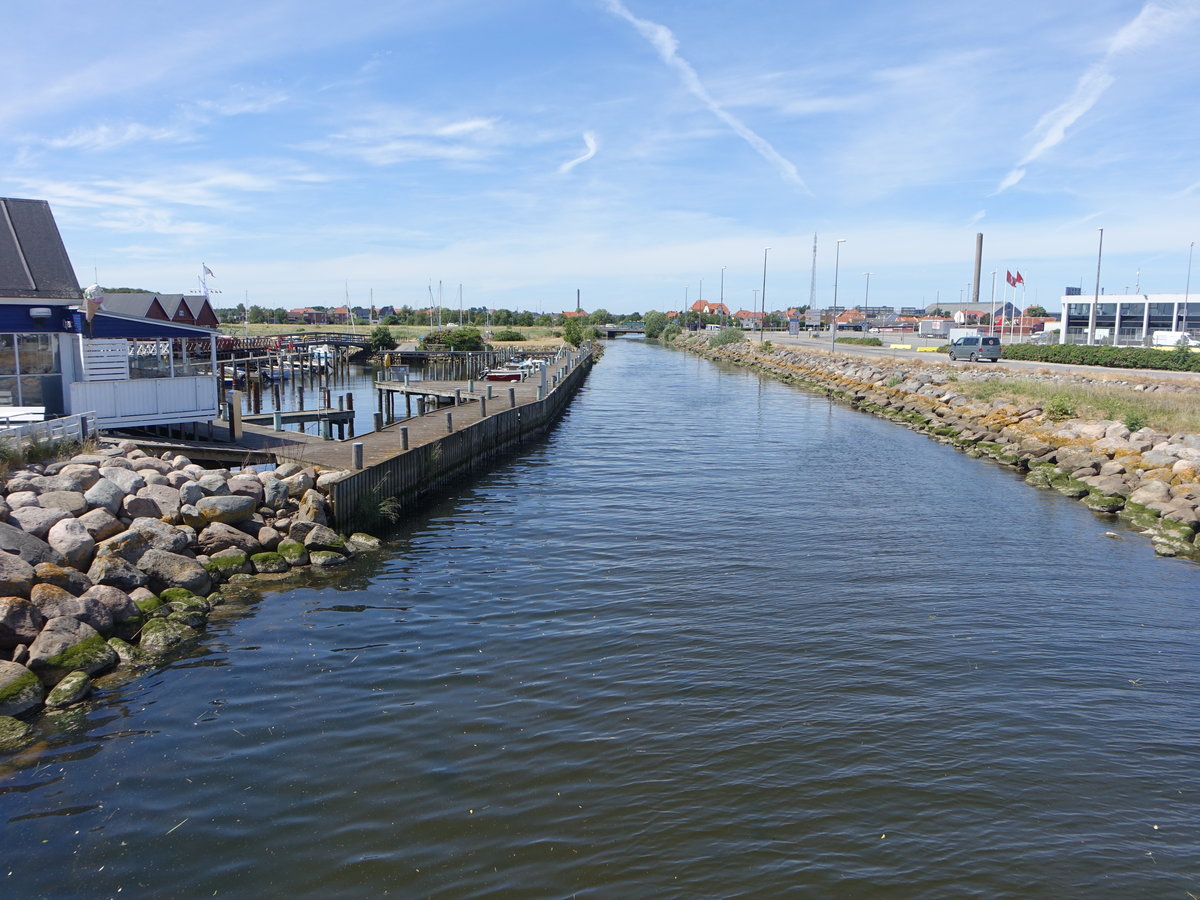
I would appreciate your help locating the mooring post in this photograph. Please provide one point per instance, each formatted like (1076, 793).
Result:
(512, 398)
(449, 423)
(489, 392)
(326, 433)
(278, 420)
(358, 454)
(541, 392)
(458, 396)
(404, 437)
(471, 386)
(379, 421)
(483, 407)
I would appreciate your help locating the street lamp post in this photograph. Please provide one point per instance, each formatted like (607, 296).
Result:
(837, 258)
(992, 321)
(763, 320)
(866, 300)
(1091, 335)
(722, 292)
(1187, 287)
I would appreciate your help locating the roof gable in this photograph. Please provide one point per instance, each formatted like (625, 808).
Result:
(33, 260)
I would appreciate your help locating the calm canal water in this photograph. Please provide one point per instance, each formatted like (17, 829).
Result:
(714, 637)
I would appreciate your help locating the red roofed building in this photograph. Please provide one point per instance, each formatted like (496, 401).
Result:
(707, 308)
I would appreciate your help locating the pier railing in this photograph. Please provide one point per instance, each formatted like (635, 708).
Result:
(410, 475)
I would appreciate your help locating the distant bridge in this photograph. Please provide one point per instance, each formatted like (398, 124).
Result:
(611, 331)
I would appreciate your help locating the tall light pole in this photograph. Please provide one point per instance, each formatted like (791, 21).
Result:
(722, 293)
(992, 322)
(1187, 288)
(763, 320)
(866, 299)
(1091, 335)
(837, 258)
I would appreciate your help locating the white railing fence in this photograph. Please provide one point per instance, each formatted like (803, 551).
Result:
(78, 427)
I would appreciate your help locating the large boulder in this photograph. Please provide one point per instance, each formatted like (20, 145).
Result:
(71, 538)
(161, 535)
(71, 502)
(66, 645)
(87, 474)
(213, 485)
(119, 604)
(70, 580)
(246, 486)
(228, 508)
(101, 524)
(31, 549)
(299, 483)
(220, 536)
(126, 479)
(104, 494)
(189, 493)
(160, 466)
(37, 520)
(20, 689)
(129, 545)
(16, 576)
(69, 691)
(20, 622)
(324, 538)
(17, 499)
(117, 572)
(313, 508)
(275, 493)
(53, 602)
(165, 497)
(160, 636)
(168, 570)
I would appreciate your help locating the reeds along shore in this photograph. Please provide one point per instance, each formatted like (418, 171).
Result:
(1149, 478)
(115, 557)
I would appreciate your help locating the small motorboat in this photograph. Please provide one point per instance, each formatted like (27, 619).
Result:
(502, 375)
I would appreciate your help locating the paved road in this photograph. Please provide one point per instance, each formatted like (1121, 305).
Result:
(820, 343)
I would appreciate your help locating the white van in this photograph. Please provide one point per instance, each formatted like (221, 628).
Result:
(1172, 339)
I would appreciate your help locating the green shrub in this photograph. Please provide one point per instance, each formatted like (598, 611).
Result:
(1059, 407)
(508, 334)
(670, 332)
(727, 336)
(861, 341)
(1136, 421)
(655, 323)
(456, 339)
(1175, 360)
(382, 339)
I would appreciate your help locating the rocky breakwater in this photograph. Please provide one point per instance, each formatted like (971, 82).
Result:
(1147, 478)
(117, 557)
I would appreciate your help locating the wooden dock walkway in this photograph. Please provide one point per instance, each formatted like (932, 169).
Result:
(381, 445)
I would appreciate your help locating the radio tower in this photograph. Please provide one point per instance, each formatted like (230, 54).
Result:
(812, 290)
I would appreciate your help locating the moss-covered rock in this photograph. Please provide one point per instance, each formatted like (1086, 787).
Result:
(294, 552)
(1068, 486)
(179, 595)
(148, 605)
(326, 558)
(14, 733)
(1101, 502)
(126, 652)
(161, 636)
(192, 618)
(269, 563)
(91, 654)
(20, 689)
(1138, 515)
(224, 564)
(70, 690)
(361, 542)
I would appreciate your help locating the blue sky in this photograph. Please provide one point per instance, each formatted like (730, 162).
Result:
(629, 149)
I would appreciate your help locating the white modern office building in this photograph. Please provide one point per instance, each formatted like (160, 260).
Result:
(1127, 319)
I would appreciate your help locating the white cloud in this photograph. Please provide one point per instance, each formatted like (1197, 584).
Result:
(107, 137)
(386, 136)
(589, 142)
(661, 38)
(1155, 22)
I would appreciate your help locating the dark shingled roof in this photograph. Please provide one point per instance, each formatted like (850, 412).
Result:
(33, 260)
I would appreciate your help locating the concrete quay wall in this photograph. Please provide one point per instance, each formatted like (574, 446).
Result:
(409, 476)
